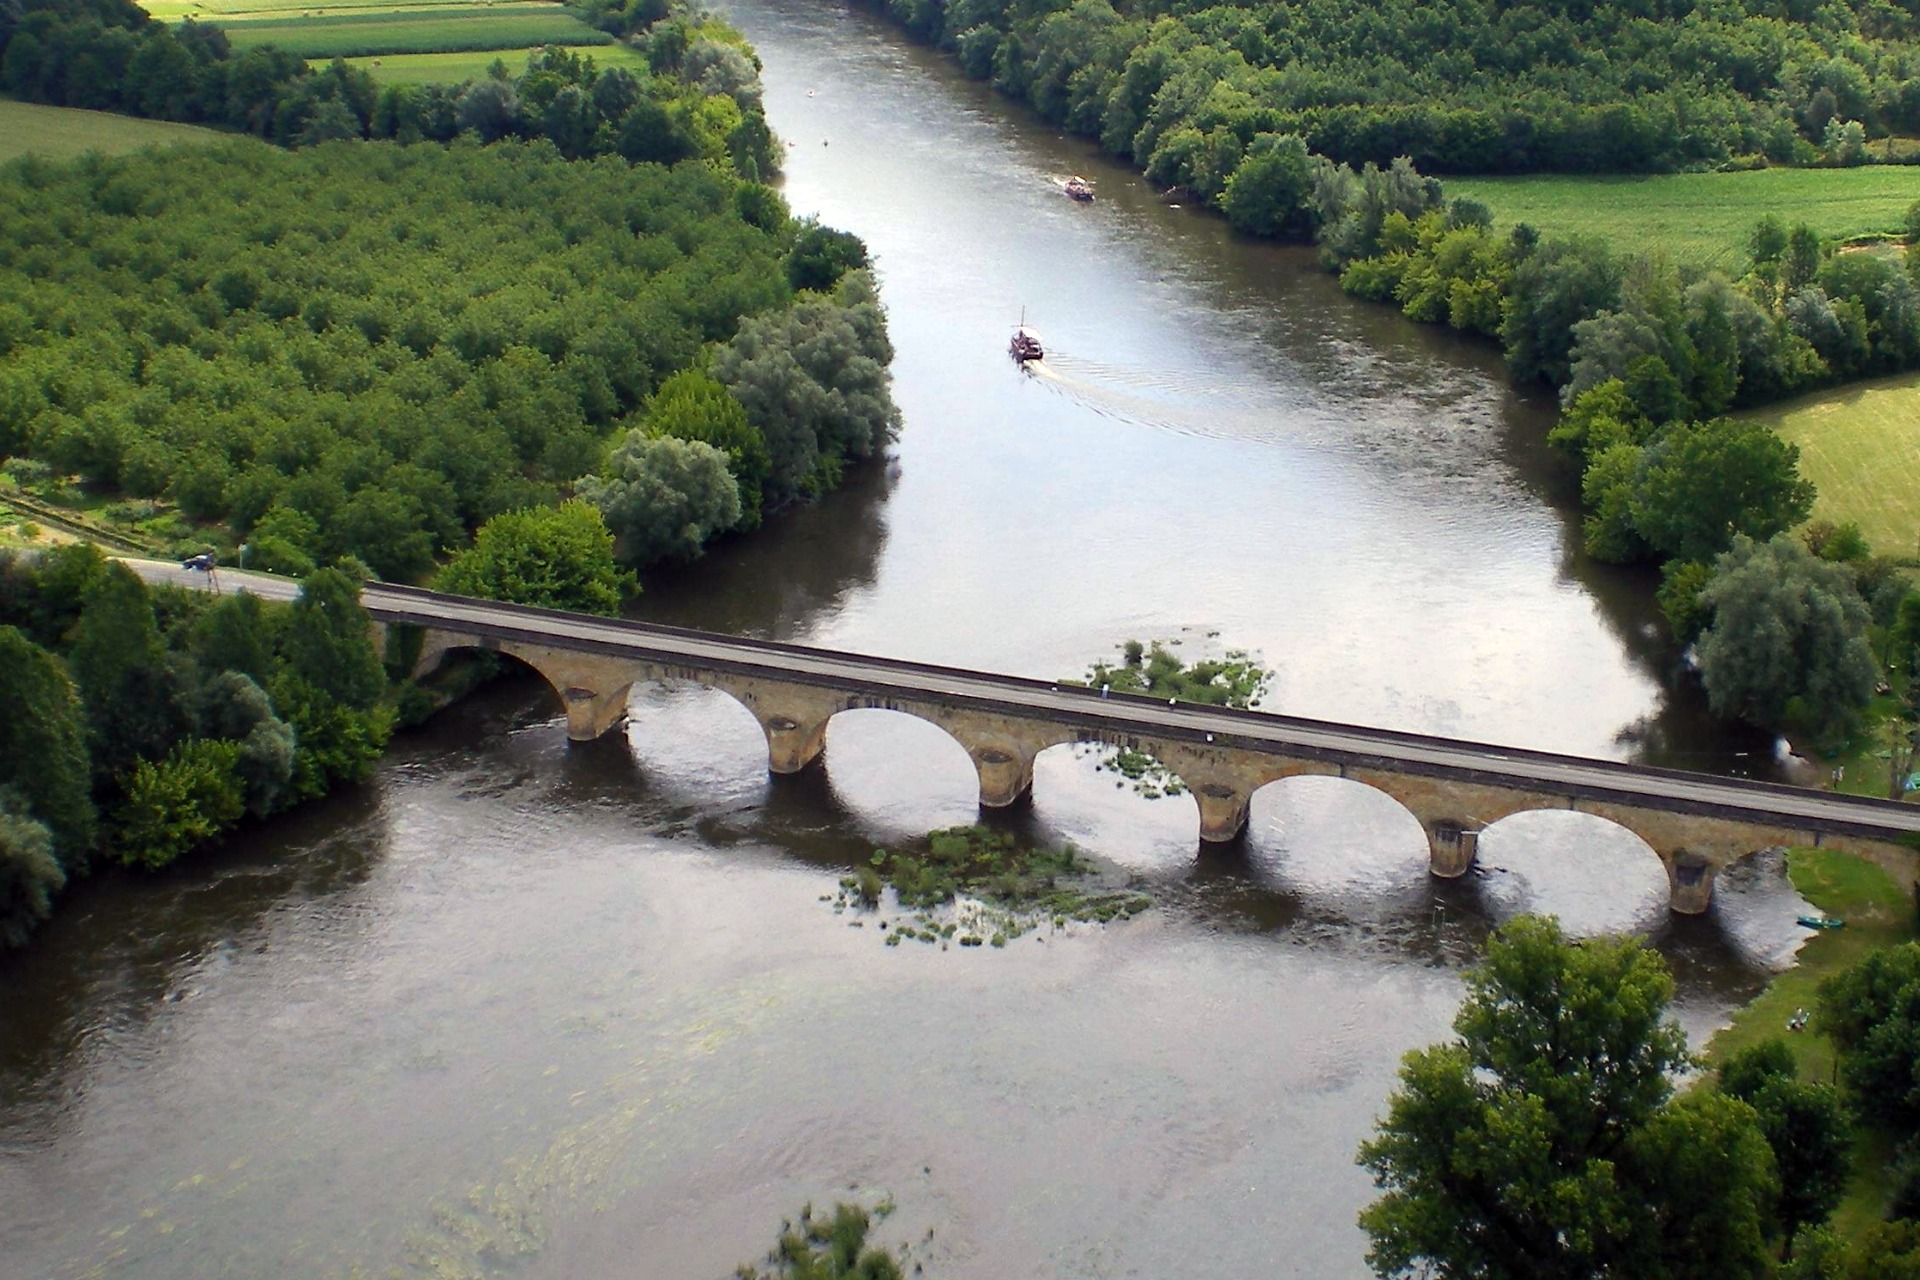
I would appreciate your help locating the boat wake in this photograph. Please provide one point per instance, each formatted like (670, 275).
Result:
(1166, 400)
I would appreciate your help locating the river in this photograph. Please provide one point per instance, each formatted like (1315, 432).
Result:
(519, 1007)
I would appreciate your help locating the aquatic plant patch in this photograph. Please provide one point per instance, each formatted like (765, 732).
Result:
(1234, 679)
(973, 886)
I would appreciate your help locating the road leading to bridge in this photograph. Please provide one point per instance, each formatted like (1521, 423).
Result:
(1092, 715)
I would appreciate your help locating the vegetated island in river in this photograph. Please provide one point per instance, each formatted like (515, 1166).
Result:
(1234, 679)
(580, 339)
(974, 886)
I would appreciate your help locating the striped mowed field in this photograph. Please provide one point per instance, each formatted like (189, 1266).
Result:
(443, 29)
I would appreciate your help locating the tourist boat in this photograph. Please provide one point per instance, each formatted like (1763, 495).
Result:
(1025, 345)
(1079, 188)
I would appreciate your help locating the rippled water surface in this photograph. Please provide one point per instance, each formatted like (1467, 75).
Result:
(520, 1007)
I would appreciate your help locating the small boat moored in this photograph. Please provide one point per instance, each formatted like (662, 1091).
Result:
(1078, 188)
(1025, 345)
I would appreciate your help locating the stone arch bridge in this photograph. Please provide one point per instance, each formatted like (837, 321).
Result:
(1697, 824)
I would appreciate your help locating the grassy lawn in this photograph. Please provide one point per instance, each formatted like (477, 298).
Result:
(1860, 445)
(448, 29)
(1700, 217)
(1879, 913)
(452, 68)
(65, 131)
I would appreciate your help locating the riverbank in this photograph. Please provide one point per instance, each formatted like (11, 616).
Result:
(1878, 913)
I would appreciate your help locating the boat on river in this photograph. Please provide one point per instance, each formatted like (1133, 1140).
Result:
(1078, 188)
(1025, 344)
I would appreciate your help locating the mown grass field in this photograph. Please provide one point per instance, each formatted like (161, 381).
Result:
(444, 29)
(452, 68)
(1703, 218)
(1879, 913)
(1860, 445)
(65, 131)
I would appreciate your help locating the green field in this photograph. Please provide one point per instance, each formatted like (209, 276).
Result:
(64, 131)
(452, 68)
(1860, 445)
(447, 29)
(1701, 217)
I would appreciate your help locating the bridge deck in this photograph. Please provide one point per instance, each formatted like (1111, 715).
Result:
(1093, 715)
(1085, 709)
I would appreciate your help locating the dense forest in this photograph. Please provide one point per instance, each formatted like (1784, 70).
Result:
(1459, 86)
(369, 349)
(557, 309)
(142, 724)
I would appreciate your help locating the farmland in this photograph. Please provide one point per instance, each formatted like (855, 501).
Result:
(452, 68)
(64, 131)
(1860, 445)
(351, 32)
(1701, 218)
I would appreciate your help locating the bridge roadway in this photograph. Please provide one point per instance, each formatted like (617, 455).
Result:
(1696, 824)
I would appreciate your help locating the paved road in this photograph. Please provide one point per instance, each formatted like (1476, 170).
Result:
(1085, 709)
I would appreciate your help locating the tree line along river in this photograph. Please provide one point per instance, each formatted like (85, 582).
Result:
(580, 1012)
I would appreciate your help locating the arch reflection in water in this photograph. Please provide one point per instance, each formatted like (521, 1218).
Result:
(901, 775)
(1331, 837)
(1597, 877)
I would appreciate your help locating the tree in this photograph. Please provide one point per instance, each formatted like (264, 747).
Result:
(553, 557)
(692, 406)
(1270, 194)
(235, 634)
(1805, 1126)
(29, 874)
(1701, 485)
(814, 381)
(664, 498)
(132, 694)
(1871, 1011)
(1553, 289)
(1543, 1142)
(43, 747)
(183, 801)
(329, 641)
(234, 708)
(1785, 626)
(821, 255)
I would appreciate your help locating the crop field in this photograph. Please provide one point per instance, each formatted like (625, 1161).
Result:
(223, 11)
(1702, 218)
(452, 68)
(344, 33)
(65, 131)
(1860, 445)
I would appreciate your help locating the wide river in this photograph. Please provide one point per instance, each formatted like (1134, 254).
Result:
(549, 1011)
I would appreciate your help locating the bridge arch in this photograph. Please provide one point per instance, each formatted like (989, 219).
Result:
(592, 688)
(1354, 831)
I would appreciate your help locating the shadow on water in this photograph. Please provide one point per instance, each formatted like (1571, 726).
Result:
(126, 945)
(788, 577)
